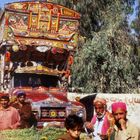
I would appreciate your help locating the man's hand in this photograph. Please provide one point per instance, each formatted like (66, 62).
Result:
(89, 125)
(122, 122)
(103, 137)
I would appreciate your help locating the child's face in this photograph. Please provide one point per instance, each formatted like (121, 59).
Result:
(74, 133)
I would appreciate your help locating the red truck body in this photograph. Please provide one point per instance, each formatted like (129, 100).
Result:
(37, 45)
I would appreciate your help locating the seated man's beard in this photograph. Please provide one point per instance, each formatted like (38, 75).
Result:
(118, 125)
(100, 115)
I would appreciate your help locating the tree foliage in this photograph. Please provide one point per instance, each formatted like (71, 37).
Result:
(108, 60)
(136, 23)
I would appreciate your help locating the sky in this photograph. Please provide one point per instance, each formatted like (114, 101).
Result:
(2, 2)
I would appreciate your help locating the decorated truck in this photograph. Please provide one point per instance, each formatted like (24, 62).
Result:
(37, 45)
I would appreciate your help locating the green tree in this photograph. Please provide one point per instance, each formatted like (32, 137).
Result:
(136, 26)
(106, 61)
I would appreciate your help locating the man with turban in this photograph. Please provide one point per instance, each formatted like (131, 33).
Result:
(102, 121)
(25, 110)
(123, 128)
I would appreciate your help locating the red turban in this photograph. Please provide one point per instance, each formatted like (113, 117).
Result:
(117, 105)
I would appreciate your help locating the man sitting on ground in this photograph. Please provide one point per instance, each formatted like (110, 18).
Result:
(102, 121)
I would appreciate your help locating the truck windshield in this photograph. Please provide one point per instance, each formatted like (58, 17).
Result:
(35, 80)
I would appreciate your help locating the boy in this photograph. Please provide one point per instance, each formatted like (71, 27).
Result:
(74, 125)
